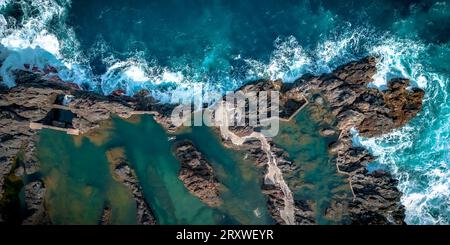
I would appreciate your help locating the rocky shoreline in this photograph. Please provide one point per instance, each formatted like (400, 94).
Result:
(105, 219)
(371, 112)
(35, 205)
(123, 173)
(36, 102)
(346, 95)
(197, 174)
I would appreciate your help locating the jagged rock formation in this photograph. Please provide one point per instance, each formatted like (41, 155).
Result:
(35, 100)
(372, 112)
(197, 174)
(105, 219)
(122, 172)
(345, 92)
(352, 104)
(35, 204)
(289, 104)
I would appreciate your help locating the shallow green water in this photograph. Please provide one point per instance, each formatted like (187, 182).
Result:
(148, 149)
(79, 182)
(317, 179)
(242, 198)
(167, 46)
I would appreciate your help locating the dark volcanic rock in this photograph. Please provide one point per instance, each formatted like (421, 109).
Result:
(289, 105)
(197, 174)
(372, 113)
(33, 100)
(345, 92)
(123, 173)
(304, 213)
(36, 213)
(105, 219)
(352, 104)
(289, 102)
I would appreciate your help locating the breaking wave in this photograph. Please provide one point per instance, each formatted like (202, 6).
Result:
(418, 156)
(35, 41)
(34, 36)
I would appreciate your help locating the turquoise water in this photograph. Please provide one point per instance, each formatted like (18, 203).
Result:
(241, 178)
(150, 154)
(171, 47)
(317, 180)
(149, 150)
(79, 182)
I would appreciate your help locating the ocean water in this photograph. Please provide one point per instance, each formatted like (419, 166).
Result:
(171, 47)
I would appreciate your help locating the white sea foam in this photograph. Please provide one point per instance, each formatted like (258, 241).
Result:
(416, 154)
(338, 49)
(16, 59)
(33, 28)
(419, 158)
(398, 58)
(287, 62)
(425, 188)
(29, 42)
(3, 3)
(429, 205)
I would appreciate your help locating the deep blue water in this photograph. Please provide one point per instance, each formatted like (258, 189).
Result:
(171, 47)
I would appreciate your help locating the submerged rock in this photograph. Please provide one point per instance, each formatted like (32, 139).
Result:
(345, 92)
(122, 172)
(327, 132)
(351, 104)
(197, 174)
(105, 219)
(36, 213)
(265, 154)
(372, 112)
(37, 103)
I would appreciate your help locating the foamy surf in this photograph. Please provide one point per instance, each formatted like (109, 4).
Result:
(288, 61)
(417, 154)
